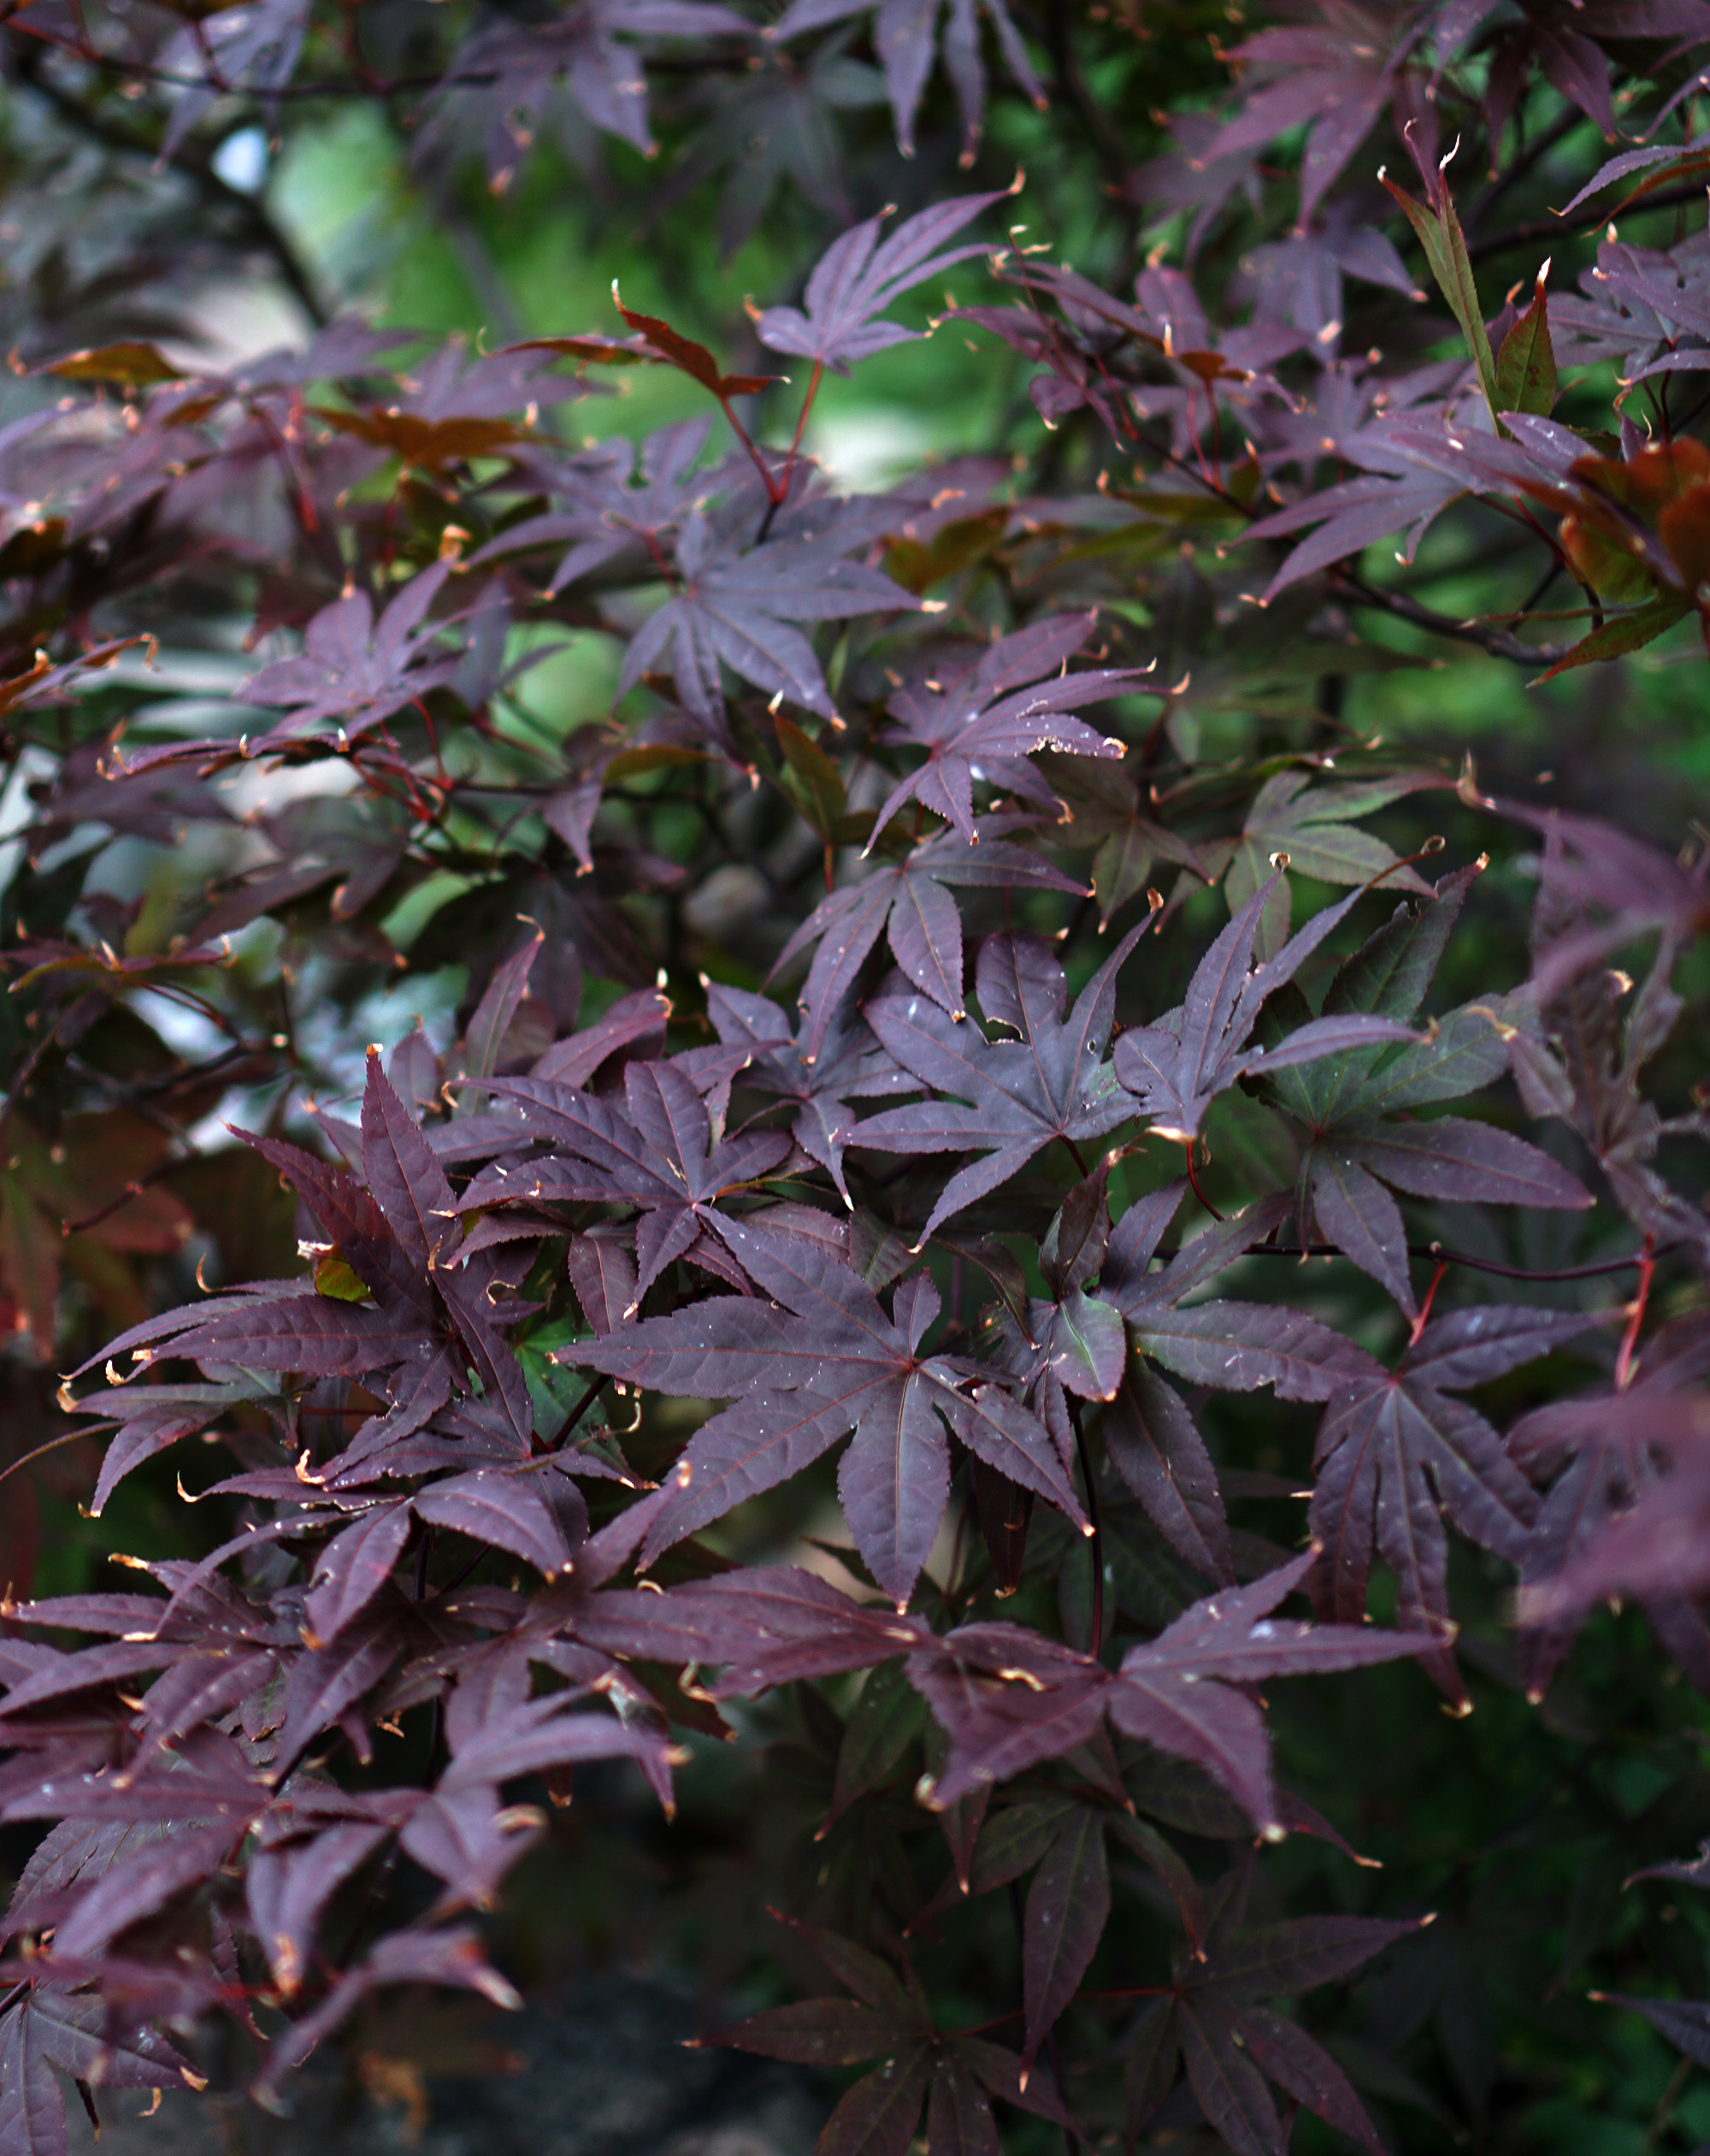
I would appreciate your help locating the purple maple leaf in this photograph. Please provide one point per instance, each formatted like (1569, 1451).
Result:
(905, 33)
(1397, 1451)
(858, 277)
(1006, 1100)
(1176, 1066)
(906, 899)
(979, 723)
(806, 1369)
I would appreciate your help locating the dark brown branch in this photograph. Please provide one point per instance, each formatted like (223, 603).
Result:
(1584, 219)
(352, 86)
(1540, 146)
(259, 225)
(1497, 641)
(1435, 1252)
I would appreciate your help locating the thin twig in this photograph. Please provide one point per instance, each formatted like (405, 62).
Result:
(1096, 1540)
(370, 85)
(1665, 2104)
(53, 1444)
(1540, 146)
(1497, 641)
(1435, 1252)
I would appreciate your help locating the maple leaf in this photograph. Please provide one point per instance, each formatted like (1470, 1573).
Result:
(1211, 2021)
(1578, 1057)
(1076, 376)
(355, 844)
(1591, 867)
(1008, 1698)
(736, 604)
(1185, 179)
(980, 724)
(1684, 2022)
(430, 1324)
(1176, 1067)
(768, 1625)
(883, 2017)
(450, 410)
(1612, 1520)
(1149, 1433)
(1354, 1120)
(775, 125)
(447, 1954)
(857, 278)
(496, 1732)
(1334, 77)
(1354, 514)
(1073, 1336)
(615, 499)
(1104, 811)
(1316, 833)
(52, 2026)
(506, 72)
(821, 1360)
(905, 900)
(1680, 159)
(1396, 1451)
(659, 1158)
(290, 1880)
(1020, 1094)
(1076, 1342)
(356, 672)
(1301, 277)
(906, 32)
(1065, 1835)
(834, 1061)
(1568, 48)
(254, 47)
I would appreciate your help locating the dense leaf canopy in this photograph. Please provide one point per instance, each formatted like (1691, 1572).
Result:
(978, 1096)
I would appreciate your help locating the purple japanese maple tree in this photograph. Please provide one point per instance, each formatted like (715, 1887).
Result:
(928, 1204)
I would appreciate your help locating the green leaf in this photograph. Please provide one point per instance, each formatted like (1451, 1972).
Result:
(886, 1721)
(1444, 245)
(1249, 871)
(554, 1388)
(333, 1277)
(917, 565)
(1626, 632)
(1525, 367)
(133, 363)
(811, 780)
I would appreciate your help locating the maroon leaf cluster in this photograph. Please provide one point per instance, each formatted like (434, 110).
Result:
(628, 1334)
